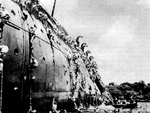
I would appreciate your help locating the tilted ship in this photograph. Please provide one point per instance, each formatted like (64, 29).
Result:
(39, 61)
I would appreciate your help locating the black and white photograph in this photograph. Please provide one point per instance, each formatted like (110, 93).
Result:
(74, 56)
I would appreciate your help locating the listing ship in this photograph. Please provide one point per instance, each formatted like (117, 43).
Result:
(39, 61)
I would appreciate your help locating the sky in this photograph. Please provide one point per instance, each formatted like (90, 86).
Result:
(117, 33)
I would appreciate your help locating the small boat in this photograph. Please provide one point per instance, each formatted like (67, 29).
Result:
(126, 106)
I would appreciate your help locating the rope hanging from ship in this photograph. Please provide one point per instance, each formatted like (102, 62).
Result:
(32, 65)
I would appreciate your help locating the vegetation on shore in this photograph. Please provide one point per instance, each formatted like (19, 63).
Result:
(138, 91)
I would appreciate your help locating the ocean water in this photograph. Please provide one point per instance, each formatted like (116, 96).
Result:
(143, 107)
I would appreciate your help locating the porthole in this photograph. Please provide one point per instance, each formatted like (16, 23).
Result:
(67, 82)
(13, 12)
(35, 26)
(41, 30)
(16, 51)
(44, 59)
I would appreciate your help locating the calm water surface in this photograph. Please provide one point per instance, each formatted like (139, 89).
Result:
(143, 107)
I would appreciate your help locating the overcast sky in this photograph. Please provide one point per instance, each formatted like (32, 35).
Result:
(116, 31)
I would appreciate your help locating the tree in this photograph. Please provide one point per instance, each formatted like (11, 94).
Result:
(138, 90)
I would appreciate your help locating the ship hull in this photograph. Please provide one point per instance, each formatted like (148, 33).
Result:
(52, 76)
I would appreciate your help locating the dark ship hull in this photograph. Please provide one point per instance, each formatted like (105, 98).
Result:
(55, 75)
